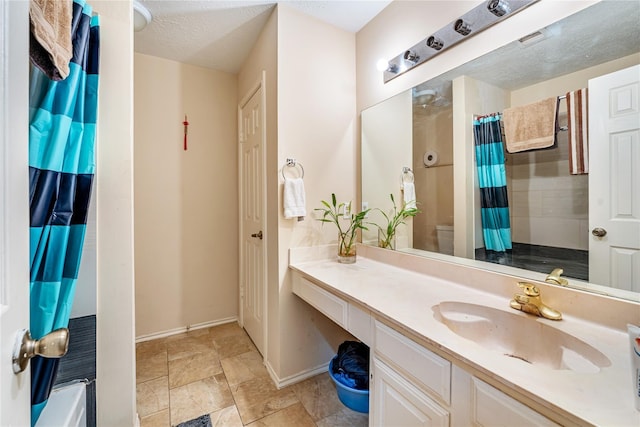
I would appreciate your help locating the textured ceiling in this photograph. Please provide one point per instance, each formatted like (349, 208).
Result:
(219, 34)
(603, 32)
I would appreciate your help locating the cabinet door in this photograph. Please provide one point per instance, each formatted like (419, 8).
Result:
(491, 407)
(476, 403)
(396, 402)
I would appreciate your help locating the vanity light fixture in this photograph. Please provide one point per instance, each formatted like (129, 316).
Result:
(498, 7)
(462, 27)
(411, 56)
(384, 65)
(473, 22)
(435, 43)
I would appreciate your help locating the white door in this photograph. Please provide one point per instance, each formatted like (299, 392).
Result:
(252, 217)
(614, 179)
(14, 208)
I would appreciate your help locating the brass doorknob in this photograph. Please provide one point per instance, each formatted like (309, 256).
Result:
(53, 345)
(599, 232)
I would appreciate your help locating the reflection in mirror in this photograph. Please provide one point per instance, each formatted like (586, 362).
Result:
(552, 211)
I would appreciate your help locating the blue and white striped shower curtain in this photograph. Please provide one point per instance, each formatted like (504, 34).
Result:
(62, 132)
(492, 179)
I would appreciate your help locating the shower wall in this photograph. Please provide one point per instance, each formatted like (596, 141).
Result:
(550, 207)
(432, 131)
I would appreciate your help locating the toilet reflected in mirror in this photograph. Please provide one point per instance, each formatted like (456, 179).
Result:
(444, 234)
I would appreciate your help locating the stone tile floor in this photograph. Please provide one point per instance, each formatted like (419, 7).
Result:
(218, 371)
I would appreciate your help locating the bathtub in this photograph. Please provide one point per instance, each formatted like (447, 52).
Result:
(66, 407)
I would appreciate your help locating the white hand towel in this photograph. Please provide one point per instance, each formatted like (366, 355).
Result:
(409, 190)
(294, 198)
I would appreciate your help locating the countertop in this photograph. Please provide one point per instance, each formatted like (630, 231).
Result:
(406, 298)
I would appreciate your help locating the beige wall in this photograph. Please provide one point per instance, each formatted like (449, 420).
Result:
(386, 148)
(316, 126)
(116, 372)
(432, 131)
(186, 202)
(309, 118)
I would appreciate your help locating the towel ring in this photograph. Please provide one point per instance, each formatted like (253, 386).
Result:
(292, 164)
(406, 171)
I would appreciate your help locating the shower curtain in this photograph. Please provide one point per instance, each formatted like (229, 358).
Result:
(62, 129)
(489, 150)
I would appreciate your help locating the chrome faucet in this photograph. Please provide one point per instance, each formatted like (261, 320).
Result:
(554, 277)
(531, 302)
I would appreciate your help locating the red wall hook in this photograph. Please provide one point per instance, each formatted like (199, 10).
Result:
(186, 130)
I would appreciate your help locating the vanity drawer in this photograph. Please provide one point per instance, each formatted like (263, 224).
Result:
(328, 304)
(424, 367)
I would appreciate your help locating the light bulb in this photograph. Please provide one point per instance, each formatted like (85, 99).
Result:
(382, 65)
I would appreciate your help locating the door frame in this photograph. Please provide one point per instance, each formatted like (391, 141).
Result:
(259, 84)
(15, 390)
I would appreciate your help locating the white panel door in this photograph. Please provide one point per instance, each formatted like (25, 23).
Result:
(614, 179)
(14, 208)
(252, 231)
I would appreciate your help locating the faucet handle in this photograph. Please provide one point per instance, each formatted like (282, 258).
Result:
(529, 289)
(554, 277)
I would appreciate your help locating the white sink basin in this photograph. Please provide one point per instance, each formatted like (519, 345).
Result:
(522, 337)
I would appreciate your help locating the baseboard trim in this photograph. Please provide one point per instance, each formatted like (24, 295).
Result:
(299, 377)
(175, 331)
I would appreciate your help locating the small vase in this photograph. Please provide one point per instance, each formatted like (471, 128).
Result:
(385, 243)
(349, 258)
(346, 255)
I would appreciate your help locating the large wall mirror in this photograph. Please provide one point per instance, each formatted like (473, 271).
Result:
(425, 136)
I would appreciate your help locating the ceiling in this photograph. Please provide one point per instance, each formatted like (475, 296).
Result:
(219, 34)
(602, 32)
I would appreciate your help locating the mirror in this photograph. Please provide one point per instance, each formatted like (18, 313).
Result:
(429, 129)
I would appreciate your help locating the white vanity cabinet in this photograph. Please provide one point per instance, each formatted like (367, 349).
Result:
(410, 384)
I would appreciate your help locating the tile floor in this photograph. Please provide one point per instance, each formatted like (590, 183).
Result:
(218, 371)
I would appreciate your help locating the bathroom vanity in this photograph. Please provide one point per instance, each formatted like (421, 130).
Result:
(447, 349)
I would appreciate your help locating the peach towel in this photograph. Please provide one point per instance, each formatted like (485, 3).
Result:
(50, 44)
(531, 126)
